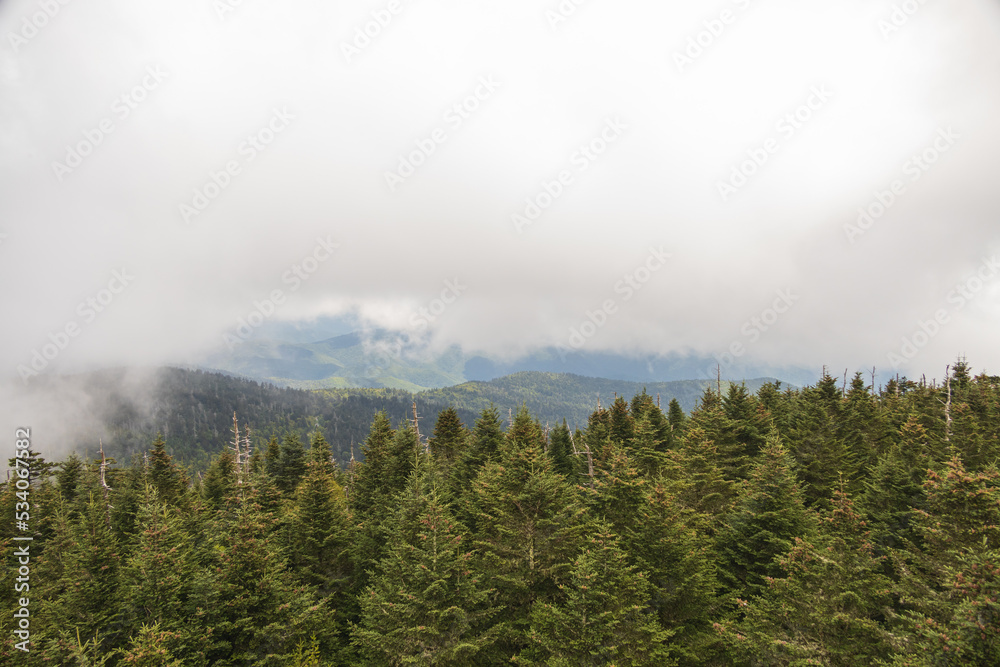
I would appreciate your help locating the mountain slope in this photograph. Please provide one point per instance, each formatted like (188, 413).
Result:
(552, 397)
(381, 358)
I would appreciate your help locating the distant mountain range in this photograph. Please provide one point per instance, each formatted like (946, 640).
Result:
(386, 359)
(194, 409)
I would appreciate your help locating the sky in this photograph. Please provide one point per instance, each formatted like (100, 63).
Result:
(762, 181)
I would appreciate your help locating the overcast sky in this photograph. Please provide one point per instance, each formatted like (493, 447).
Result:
(174, 162)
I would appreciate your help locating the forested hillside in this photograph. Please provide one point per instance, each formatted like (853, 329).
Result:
(194, 409)
(828, 525)
(552, 397)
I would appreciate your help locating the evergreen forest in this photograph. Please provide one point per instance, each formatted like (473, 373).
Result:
(835, 524)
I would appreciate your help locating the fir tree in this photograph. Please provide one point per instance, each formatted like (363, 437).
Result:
(828, 609)
(166, 583)
(602, 617)
(676, 417)
(528, 528)
(561, 452)
(450, 438)
(768, 516)
(168, 479)
(664, 540)
(426, 605)
(320, 453)
(292, 465)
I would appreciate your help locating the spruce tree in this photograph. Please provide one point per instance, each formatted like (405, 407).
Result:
(560, 450)
(292, 465)
(320, 453)
(664, 539)
(260, 613)
(602, 616)
(621, 422)
(528, 527)
(426, 605)
(68, 477)
(168, 479)
(165, 582)
(676, 417)
(450, 438)
(950, 582)
(704, 488)
(829, 607)
(219, 485)
(769, 514)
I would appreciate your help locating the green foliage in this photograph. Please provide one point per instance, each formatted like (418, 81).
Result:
(450, 438)
(425, 605)
(726, 537)
(768, 516)
(602, 617)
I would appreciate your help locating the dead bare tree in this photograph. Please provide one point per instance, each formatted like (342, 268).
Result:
(947, 404)
(105, 489)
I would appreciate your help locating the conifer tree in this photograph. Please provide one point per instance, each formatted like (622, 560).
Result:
(368, 488)
(646, 449)
(769, 514)
(272, 458)
(68, 477)
(168, 479)
(710, 417)
(704, 489)
(820, 454)
(621, 422)
(602, 616)
(78, 579)
(219, 485)
(664, 540)
(450, 438)
(151, 646)
(165, 582)
(561, 452)
(261, 612)
(319, 531)
(426, 605)
(828, 609)
(951, 581)
(528, 527)
(292, 465)
(320, 453)
(486, 441)
(676, 417)
(643, 406)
